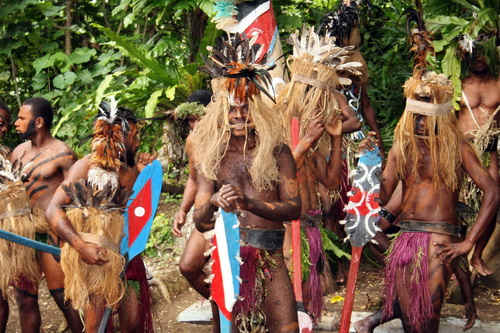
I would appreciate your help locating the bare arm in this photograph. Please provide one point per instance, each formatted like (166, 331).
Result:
(350, 122)
(203, 208)
(188, 197)
(313, 133)
(60, 223)
(369, 115)
(389, 179)
(328, 172)
(482, 179)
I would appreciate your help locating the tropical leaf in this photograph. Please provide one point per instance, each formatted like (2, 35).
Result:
(155, 70)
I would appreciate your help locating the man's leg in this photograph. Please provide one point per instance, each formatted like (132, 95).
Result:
(4, 313)
(93, 314)
(55, 282)
(460, 268)
(191, 266)
(368, 324)
(27, 301)
(477, 260)
(439, 275)
(129, 312)
(192, 263)
(279, 305)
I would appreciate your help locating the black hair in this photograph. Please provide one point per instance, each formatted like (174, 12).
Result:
(40, 107)
(340, 22)
(4, 107)
(127, 114)
(201, 96)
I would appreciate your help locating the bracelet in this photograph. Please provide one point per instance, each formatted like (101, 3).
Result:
(390, 217)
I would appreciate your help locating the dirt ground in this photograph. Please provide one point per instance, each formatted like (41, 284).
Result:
(171, 294)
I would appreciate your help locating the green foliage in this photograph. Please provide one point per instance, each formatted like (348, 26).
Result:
(463, 18)
(161, 236)
(334, 247)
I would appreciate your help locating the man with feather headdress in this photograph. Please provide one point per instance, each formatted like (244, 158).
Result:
(43, 162)
(86, 212)
(429, 157)
(313, 98)
(244, 166)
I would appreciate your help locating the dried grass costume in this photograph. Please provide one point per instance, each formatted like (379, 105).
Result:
(238, 78)
(409, 251)
(18, 263)
(317, 70)
(96, 213)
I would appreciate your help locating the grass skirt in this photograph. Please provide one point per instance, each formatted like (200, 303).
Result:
(408, 265)
(16, 260)
(81, 279)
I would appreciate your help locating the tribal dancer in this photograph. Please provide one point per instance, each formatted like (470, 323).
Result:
(428, 157)
(45, 162)
(478, 121)
(86, 212)
(343, 25)
(243, 165)
(313, 98)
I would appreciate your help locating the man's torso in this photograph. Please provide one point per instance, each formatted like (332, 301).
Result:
(483, 97)
(423, 200)
(43, 169)
(234, 170)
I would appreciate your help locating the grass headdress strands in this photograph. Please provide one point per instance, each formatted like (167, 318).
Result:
(238, 77)
(318, 67)
(442, 136)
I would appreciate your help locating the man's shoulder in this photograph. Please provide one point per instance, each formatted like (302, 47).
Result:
(61, 146)
(20, 149)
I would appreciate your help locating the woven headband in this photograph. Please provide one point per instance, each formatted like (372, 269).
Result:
(313, 82)
(427, 109)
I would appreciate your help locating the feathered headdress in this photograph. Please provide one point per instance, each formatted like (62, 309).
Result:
(318, 68)
(108, 143)
(235, 59)
(239, 78)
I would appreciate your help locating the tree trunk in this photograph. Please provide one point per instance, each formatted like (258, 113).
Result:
(67, 28)
(197, 21)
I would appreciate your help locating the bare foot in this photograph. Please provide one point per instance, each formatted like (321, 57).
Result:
(362, 326)
(480, 266)
(471, 315)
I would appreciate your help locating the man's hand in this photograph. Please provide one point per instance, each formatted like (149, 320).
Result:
(314, 130)
(449, 251)
(368, 143)
(179, 220)
(93, 254)
(144, 159)
(229, 198)
(334, 125)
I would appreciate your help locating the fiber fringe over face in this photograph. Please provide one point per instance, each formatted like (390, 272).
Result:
(315, 69)
(81, 279)
(443, 137)
(212, 133)
(16, 260)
